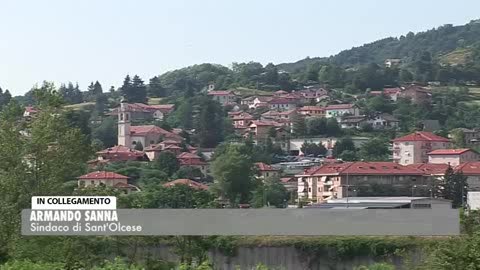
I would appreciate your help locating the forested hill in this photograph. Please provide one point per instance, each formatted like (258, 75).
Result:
(438, 42)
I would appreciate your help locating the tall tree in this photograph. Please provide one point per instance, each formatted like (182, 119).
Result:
(333, 128)
(299, 126)
(233, 175)
(375, 149)
(134, 90)
(454, 187)
(41, 163)
(167, 162)
(270, 192)
(343, 144)
(155, 88)
(317, 126)
(209, 123)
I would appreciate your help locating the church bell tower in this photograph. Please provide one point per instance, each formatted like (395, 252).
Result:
(124, 125)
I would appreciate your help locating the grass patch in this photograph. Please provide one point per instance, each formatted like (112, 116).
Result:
(81, 106)
(251, 92)
(154, 101)
(456, 57)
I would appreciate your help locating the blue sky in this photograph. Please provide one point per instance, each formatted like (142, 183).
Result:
(88, 40)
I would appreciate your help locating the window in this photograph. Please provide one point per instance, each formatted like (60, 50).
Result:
(309, 189)
(92, 182)
(126, 116)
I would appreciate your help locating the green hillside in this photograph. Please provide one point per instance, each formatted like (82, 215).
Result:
(438, 41)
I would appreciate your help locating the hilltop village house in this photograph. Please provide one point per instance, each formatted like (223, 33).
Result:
(339, 180)
(223, 97)
(340, 110)
(144, 111)
(454, 157)
(414, 148)
(109, 179)
(117, 153)
(264, 170)
(147, 135)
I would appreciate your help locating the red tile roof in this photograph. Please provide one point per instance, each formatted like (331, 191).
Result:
(469, 168)
(100, 175)
(265, 123)
(340, 106)
(449, 151)
(188, 155)
(187, 158)
(288, 179)
(421, 136)
(242, 116)
(263, 167)
(281, 100)
(31, 109)
(430, 168)
(364, 168)
(153, 147)
(172, 146)
(188, 182)
(312, 108)
(391, 91)
(120, 153)
(148, 129)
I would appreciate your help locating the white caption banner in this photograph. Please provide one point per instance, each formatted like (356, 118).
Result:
(74, 203)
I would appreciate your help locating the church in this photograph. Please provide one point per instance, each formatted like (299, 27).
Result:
(146, 135)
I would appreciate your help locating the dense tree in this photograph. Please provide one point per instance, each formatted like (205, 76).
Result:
(5, 98)
(134, 90)
(375, 149)
(106, 132)
(313, 149)
(299, 125)
(454, 187)
(348, 155)
(317, 126)
(155, 88)
(209, 124)
(167, 162)
(343, 144)
(233, 174)
(187, 172)
(94, 89)
(101, 101)
(71, 94)
(333, 128)
(38, 164)
(270, 192)
(455, 253)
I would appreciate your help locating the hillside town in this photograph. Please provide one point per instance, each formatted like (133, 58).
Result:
(311, 168)
(239, 135)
